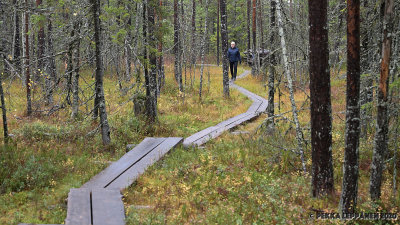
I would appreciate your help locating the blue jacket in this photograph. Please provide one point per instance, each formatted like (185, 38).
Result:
(234, 55)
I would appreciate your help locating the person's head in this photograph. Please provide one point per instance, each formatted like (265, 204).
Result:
(233, 44)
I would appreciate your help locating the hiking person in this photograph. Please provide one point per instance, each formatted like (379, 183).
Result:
(234, 58)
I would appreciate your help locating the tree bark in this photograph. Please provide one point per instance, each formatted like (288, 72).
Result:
(76, 66)
(254, 49)
(16, 38)
(299, 132)
(224, 47)
(271, 77)
(160, 60)
(348, 200)
(218, 29)
(248, 25)
(203, 42)
(151, 78)
(193, 32)
(3, 57)
(100, 103)
(177, 47)
(40, 47)
(382, 123)
(28, 81)
(321, 117)
(50, 79)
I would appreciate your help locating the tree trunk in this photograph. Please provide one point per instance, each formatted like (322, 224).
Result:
(100, 107)
(254, 49)
(128, 40)
(248, 25)
(28, 81)
(2, 101)
(382, 123)
(194, 32)
(160, 63)
(151, 78)
(16, 38)
(75, 79)
(177, 47)
(321, 117)
(299, 133)
(348, 200)
(271, 77)
(40, 47)
(224, 45)
(203, 42)
(218, 29)
(50, 79)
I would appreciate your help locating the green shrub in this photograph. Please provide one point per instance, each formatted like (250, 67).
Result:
(41, 131)
(25, 169)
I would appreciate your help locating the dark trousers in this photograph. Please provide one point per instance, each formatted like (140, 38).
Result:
(233, 66)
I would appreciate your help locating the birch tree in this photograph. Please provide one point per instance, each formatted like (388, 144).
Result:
(299, 132)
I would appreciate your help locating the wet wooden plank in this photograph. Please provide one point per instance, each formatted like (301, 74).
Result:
(129, 176)
(105, 177)
(79, 211)
(107, 207)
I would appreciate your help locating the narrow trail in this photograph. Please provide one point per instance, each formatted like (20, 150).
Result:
(99, 201)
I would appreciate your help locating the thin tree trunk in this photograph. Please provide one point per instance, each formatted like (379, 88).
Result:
(193, 32)
(17, 38)
(3, 57)
(51, 78)
(224, 45)
(75, 80)
(248, 25)
(271, 77)
(177, 47)
(128, 39)
(299, 133)
(203, 42)
(40, 47)
(382, 123)
(348, 200)
(70, 67)
(160, 63)
(100, 107)
(254, 49)
(218, 29)
(26, 59)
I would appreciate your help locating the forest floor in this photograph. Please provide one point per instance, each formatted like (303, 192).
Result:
(234, 179)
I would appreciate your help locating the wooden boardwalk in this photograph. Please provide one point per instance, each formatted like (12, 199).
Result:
(259, 106)
(99, 201)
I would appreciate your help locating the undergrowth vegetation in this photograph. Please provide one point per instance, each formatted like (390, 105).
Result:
(253, 177)
(49, 154)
